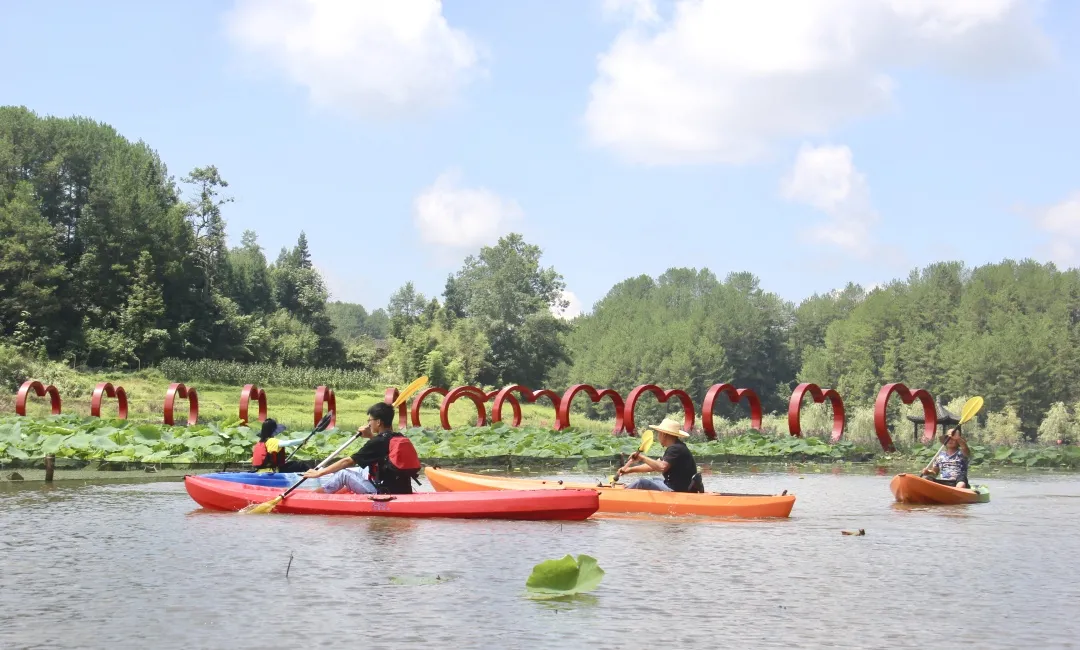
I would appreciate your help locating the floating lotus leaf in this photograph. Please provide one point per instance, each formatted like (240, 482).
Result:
(564, 577)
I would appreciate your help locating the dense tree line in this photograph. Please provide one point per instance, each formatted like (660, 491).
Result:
(103, 262)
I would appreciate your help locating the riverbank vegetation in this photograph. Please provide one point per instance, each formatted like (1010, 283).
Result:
(76, 441)
(107, 262)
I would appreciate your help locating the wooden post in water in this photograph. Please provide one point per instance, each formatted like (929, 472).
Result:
(49, 462)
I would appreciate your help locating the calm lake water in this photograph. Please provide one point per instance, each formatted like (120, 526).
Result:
(141, 565)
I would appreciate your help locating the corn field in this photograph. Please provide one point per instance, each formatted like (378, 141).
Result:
(263, 374)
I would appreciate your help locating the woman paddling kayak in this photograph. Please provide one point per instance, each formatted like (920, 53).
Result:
(269, 455)
(951, 463)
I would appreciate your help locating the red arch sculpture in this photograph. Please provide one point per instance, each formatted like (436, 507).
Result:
(506, 393)
(40, 390)
(477, 396)
(661, 396)
(105, 389)
(183, 392)
(325, 397)
(420, 397)
(249, 392)
(795, 409)
(735, 395)
(881, 426)
(562, 415)
(389, 396)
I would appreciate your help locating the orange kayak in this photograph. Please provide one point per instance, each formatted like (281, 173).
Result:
(619, 499)
(910, 488)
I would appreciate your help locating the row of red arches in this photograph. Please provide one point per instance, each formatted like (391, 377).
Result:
(624, 409)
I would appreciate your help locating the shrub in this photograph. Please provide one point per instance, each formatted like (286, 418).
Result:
(1057, 426)
(1003, 428)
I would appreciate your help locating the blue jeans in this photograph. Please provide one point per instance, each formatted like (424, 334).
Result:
(649, 484)
(356, 481)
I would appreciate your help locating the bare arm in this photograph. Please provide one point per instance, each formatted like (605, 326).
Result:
(647, 465)
(330, 469)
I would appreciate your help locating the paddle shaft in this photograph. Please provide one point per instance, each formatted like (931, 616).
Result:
(932, 460)
(320, 427)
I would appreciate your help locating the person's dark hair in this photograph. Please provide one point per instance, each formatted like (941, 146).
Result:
(382, 412)
(269, 429)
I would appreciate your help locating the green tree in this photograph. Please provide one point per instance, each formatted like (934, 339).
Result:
(140, 321)
(510, 295)
(30, 267)
(249, 277)
(206, 219)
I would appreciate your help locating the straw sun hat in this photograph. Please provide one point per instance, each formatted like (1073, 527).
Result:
(670, 427)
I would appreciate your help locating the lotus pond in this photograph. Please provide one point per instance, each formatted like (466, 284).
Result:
(77, 441)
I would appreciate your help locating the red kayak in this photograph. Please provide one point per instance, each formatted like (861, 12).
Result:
(563, 505)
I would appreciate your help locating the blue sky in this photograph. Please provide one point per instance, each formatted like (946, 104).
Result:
(810, 143)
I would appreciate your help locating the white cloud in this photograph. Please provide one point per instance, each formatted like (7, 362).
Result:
(1062, 222)
(572, 310)
(722, 80)
(359, 57)
(450, 216)
(825, 178)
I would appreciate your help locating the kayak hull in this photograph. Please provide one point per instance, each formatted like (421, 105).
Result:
(621, 500)
(571, 505)
(910, 488)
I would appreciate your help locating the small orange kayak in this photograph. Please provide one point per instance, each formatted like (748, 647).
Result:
(620, 500)
(911, 488)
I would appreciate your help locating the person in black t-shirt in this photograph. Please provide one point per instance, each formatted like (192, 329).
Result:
(677, 464)
(371, 459)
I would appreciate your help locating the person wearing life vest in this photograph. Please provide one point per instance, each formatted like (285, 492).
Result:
(388, 456)
(268, 454)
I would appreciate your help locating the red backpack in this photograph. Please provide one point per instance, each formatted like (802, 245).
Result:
(402, 459)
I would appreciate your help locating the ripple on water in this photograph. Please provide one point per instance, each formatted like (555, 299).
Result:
(119, 564)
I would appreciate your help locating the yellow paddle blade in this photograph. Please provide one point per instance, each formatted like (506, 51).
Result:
(971, 407)
(409, 390)
(262, 508)
(646, 441)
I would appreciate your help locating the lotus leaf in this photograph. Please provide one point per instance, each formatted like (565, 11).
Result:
(79, 441)
(564, 577)
(101, 443)
(15, 452)
(52, 444)
(146, 433)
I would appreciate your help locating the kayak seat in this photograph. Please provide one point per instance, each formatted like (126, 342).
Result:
(696, 483)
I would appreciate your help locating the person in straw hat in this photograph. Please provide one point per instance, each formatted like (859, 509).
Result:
(677, 464)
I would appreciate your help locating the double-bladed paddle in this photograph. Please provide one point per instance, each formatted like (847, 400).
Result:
(268, 506)
(646, 442)
(321, 426)
(971, 407)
